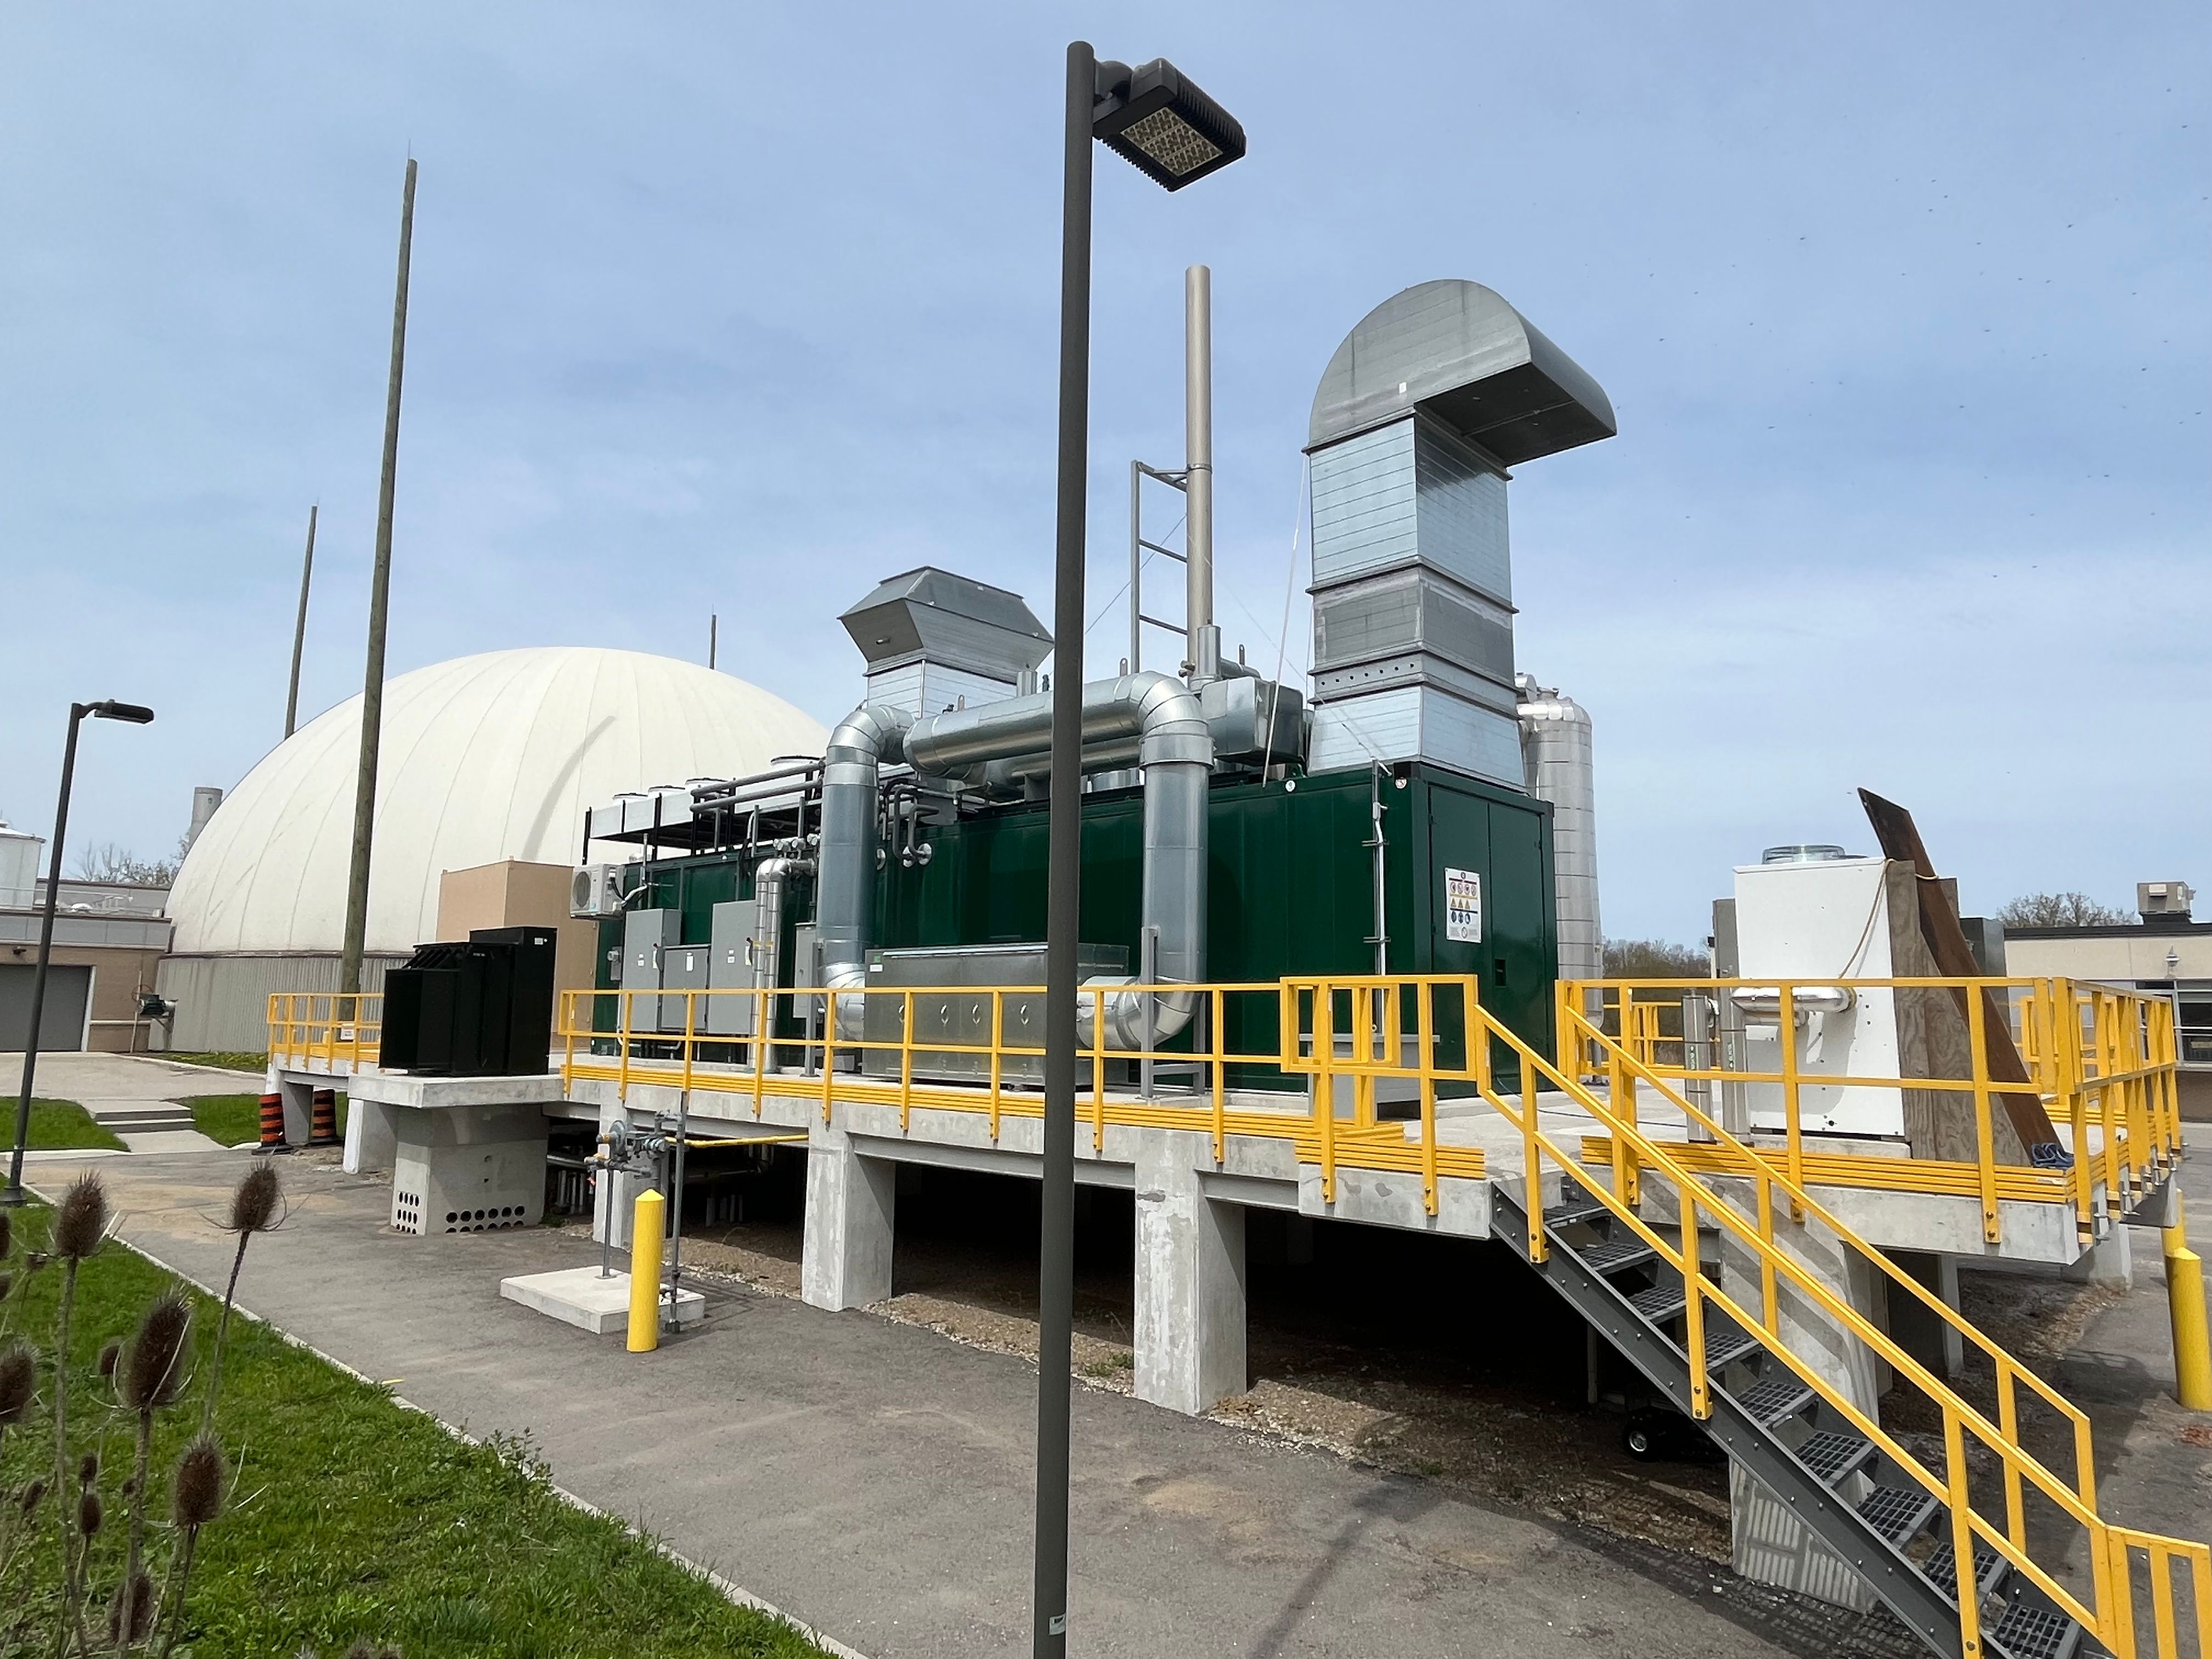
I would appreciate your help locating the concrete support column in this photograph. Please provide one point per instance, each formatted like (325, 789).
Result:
(1769, 1544)
(2109, 1260)
(1918, 1328)
(845, 1260)
(372, 1135)
(299, 1109)
(1189, 1280)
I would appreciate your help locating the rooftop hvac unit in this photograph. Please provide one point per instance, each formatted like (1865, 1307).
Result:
(596, 890)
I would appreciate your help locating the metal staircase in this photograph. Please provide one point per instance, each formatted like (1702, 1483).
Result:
(1720, 1284)
(1874, 1514)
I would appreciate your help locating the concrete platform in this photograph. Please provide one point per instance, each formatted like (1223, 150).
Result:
(580, 1297)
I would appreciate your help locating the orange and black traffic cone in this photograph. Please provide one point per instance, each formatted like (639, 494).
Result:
(272, 1125)
(323, 1118)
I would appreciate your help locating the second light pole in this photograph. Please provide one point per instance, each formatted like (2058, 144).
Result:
(1173, 134)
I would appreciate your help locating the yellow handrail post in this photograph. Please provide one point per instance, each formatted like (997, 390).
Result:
(1220, 1011)
(1985, 1161)
(1098, 1071)
(690, 1035)
(1793, 1125)
(905, 1066)
(997, 1037)
(649, 1224)
(1693, 1308)
(1424, 1022)
(621, 1070)
(763, 1031)
(1324, 1057)
(1967, 1589)
(829, 1046)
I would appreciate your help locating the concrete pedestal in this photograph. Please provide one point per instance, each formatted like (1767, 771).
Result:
(469, 1169)
(372, 1136)
(1918, 1328)
(1190, 1312)
(851, 1204)
(1769, 1544)
(580, 1297)
(2109, 1260)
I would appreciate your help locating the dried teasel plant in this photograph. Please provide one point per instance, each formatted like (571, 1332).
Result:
(195, 1494)
(257, 1206)
(150, 1376)
(80, 1228)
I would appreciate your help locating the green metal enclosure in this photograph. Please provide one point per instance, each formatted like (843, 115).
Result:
(1291, 887)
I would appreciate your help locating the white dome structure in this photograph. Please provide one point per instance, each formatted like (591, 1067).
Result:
(482, 758)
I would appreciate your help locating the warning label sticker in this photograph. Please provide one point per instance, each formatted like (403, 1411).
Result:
(1462, 906)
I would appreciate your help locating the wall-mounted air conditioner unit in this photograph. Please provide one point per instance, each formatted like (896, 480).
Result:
(596, 890)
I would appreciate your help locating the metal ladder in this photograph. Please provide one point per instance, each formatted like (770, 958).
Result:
(1895, 1533)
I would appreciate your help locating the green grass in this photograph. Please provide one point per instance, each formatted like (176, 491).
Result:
(232, 1120)
(63, 1125)
(350, 1516)
(226, 1059)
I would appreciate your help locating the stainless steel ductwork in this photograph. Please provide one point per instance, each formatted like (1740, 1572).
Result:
(771, 895)
(1166, 723)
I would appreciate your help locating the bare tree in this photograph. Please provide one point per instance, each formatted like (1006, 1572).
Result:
(2060, 910)
(110, 861)
(1654, 958)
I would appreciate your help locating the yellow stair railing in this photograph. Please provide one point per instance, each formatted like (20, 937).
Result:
(2106, 1607)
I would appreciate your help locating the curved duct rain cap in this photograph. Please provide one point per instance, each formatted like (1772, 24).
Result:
(1457, 351)
(1804, 853)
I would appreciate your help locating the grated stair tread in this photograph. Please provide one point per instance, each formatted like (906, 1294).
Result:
(1774, 1398)
(1567, 1214)
(1726, 1341)
(1661, 1302)
(1941, 1568)
(1613, 1254)
(1832, 1455)
(1897, 1513)
(2028, 1633)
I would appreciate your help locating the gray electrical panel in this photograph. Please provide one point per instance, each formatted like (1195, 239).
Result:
(645, 934)
(684, 968)
(730, 969)
(946, 1012)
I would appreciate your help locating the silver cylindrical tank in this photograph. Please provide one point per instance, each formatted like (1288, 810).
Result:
(1558, 758)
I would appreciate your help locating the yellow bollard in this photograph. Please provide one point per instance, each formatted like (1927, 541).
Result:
(648, 1226)
(2184, 1293)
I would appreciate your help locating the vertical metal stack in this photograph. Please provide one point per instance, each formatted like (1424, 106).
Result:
(1424, 407)
(1555, 734)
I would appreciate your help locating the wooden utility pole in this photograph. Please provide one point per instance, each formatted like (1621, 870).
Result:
(379, 593)
(300, 627)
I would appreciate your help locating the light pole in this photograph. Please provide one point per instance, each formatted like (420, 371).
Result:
(108, 710)
(1173, 134)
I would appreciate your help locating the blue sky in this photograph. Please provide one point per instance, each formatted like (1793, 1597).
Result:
(1904, 311)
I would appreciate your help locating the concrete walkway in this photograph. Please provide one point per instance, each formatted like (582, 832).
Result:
(135, 1096)
(874, 1480)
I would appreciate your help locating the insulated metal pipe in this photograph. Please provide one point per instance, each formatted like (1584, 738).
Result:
(771, 882)
(1204, 645)
(1159, 716)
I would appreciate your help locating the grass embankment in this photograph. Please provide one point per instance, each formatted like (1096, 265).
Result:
(226, 1060)
(351, 1516)
(64, 1126)
(235, 1120)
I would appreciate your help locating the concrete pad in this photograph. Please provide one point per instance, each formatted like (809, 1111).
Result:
(173, 1140)
(90, 1077)
(580, 1297)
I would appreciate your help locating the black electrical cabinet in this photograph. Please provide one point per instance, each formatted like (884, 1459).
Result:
(478, 1008)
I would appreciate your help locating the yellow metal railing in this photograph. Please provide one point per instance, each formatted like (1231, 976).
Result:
(2102, 1062)
(324, 1030)
(1270, 1095)
(2106, 1605)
